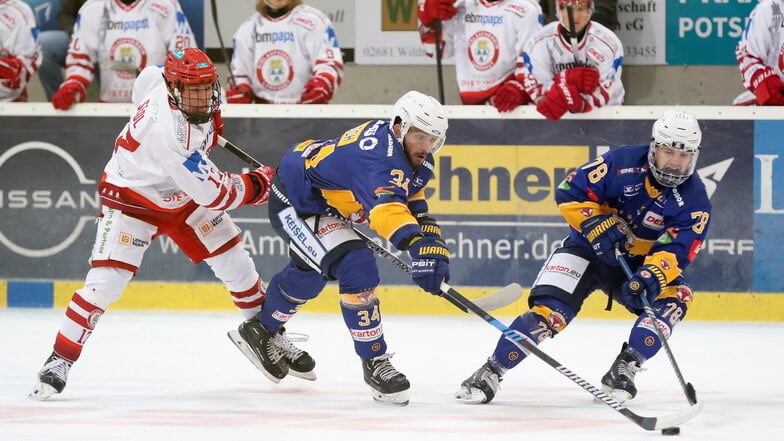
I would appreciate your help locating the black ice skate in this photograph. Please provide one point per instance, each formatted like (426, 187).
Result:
(618, 382)
(300, 363)
(262, 348)
(387, 385)
(51, 377)
(481, 386)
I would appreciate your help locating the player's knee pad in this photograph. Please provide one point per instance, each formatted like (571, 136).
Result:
(287, 291)
(364, 323)
(104, 285)
(356, 271)
(234, 268)
(669, 308)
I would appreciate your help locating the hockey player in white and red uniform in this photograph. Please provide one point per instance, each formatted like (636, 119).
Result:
(285, 53)
(760, 54)
(560, 80)
(485, 37)
(160, 181)
(20, 53)
(121, 38)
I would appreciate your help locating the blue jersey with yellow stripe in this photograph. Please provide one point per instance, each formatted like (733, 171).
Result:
(364, 173)
(669, 224)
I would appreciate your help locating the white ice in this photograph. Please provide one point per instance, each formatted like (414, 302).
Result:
(176, 376)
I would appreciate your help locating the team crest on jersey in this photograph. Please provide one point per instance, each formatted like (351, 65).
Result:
(274, 70)
(483, 50)
(126, 58)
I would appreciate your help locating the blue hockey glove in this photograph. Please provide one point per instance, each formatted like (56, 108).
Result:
(430, 263)
(430, 227)
(648, 281)
(605, 233)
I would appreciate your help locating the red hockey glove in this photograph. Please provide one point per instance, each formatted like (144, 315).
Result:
(432, 10)
(261, 178)
(242, 94)
(768, 88)
(316, 91)
(69, 92)
(510, 95)
(585, 79)
(11, 71)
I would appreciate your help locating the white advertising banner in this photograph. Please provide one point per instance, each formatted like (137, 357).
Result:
(387, 33)
(642, 31)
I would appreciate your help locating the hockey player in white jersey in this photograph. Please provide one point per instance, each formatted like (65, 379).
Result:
(20, 53)
(760, 54)
(575, 72)
(120, 38)
(160, 181)
(485, 38)
(285, 53)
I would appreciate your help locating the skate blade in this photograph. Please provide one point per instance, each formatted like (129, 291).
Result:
(470, 396)
(397, 398)
(42, 392)
(240, 343)
(310, 375)
(619, 395)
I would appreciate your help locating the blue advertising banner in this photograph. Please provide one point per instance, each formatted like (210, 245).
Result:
(493, 195)
(768, 206)
(705, 32)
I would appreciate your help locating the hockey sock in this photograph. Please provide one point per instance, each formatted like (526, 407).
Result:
(80, 320)
(288, 290)
(669, 309)
(364, 323)
(249, 301)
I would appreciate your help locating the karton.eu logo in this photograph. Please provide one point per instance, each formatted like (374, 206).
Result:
(45, 199)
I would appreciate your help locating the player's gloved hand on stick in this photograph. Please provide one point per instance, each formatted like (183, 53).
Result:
(606, 233)
(432, 10)
(430, 263)
(768, 88)
(11, 71)
(262, 180)
(648, 281)
(241, 94)
(217, 123)
(68, 93)
(316, 91)
(585, 79)
(509, 96)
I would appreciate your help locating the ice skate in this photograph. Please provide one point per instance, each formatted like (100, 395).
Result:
(481, 386)
(618, 382)
(262, 349)
(51, 378)
(387, 385)
(300, 363)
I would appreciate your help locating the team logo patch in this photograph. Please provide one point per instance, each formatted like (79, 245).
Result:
(513, 356)
(586, 212)
(483, 50)
(205, 228)
(274, 70)
(93, 318)
(125, 238)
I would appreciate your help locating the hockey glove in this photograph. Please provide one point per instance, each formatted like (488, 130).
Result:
(585, 79)
(648, 281)
(561, 97)
(217, 123)
(768, 88)
(242, 94)
(431, 10)
(262, 179)
(12, 72)
(430, 227)
(316, 91)
(70, 91)
(605, 233)
(509, 96)
(430, 263)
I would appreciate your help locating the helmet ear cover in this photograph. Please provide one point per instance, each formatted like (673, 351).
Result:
(192, 67)
(415, 109)
(678, 130)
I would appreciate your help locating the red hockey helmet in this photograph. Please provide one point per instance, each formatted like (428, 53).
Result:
(193, 83)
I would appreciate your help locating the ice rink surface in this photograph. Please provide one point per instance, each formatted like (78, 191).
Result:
(176, 376)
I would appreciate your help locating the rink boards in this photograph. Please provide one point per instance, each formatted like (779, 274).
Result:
(493, 196)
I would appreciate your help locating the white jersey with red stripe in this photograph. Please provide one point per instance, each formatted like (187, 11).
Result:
(277, 56)
(761, 48)
(485, 39)
(160, 160)
(548, 53)
(18, 38)
(122, 40)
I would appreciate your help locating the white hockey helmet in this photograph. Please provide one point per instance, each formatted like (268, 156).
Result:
(415, 109)
(678, 130)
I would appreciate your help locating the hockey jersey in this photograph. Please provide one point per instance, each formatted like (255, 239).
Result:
(277, 56)
(121, 40)
(160, 161)
(362, 173)
(760, 51)
(547, 53)
(669, 224)
(485, 39)
(18, 38)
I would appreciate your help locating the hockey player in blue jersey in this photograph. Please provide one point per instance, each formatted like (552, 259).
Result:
(374, 172)
(643, 200)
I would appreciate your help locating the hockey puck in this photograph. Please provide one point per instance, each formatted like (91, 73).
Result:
(671, 431)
